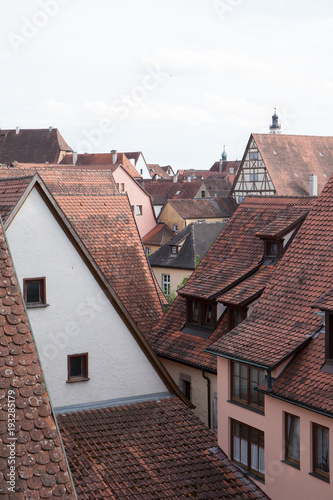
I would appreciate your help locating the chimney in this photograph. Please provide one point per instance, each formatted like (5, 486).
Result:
(175, 178)
(313, 185)
(220, 165)
(114, 156)
(50, 128)
(74, 157)
(18, 130)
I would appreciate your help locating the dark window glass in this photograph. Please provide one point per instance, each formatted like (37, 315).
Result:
(321, 450)
(33, 291)
(292, 438)
(248, 447)
(244, 381)
(78, 367)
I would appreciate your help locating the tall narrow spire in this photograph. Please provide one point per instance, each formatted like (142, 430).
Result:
(275, 128)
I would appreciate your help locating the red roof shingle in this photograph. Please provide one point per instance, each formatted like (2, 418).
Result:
(158, 449)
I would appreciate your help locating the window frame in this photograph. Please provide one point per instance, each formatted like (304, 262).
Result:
(83, 377)
(231, 311)
(138, 210)
(289, 437)
(315, 469)
(42, 291)
(203, 309)
(268, 248)
(249, 392)
(185, 386)
(175, 228)
(248, 466)
(166, 282)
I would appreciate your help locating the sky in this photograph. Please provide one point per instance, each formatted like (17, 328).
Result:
(175, 79)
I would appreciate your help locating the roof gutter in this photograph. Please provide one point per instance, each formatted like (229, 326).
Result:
(241, 360)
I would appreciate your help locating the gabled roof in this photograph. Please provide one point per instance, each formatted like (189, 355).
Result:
(10, 193)
(31, 146)
(304, 382)
(192, 243)
(204, 208)
(159, 235)
(103, 219)
(163, 190)
(226, 166)
(155, 169)
(238, 251)
(158, 449)
(284, 320)
(290, 159)
(102, 161)
(41, 470)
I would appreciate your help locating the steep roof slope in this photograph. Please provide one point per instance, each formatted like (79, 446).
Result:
(10, 193)
(192, 242)
(103, 219)
(208, 208)
(164, 190)
(159, 235)
(162, 451)
(28, 428)
(31, 146)
(284, 320)
(236, 252)
(290, 159)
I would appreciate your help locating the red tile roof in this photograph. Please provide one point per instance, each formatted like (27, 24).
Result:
(290, 159)
(325, 302)
(249, 289)
(102, 161)
(226, 165)
(284, 223)
(204, 208)
(155, 169)
(159, 235)
(237, 252)
(163, 190)
(40, 468)
(304, 382)
(158, 449)
(10, 193)
(283, 320)
(103, 220)
(31, 145)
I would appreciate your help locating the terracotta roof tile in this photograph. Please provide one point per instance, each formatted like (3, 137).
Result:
(31, 145)
(163, 190)
(249, 289)
(290, 159)
(155, 169)
(236, 252)
(325, 302)
(162, 451)
(283, 319)
(284, 223)
(103, 220)
(40, 467)
(303, 381)
(159, 235)
(10, 193)
(101, 161)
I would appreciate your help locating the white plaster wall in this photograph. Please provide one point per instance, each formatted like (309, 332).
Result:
(79, 317)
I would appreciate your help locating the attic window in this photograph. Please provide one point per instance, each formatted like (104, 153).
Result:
(235, 316)
(178, 192)
(174, 249)
(273, 248)
(34, 291)
(253, 155)
(138, 210)
(203, 194)
(175, 227)
(77, 367)
(201, 314)
(329, 337)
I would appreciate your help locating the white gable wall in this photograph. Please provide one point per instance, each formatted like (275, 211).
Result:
(79, 317)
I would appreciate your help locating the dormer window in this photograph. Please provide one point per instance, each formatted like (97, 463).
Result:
(174, 249)
(201, 314)
(236, 316)
(329, 337)
(273, 248)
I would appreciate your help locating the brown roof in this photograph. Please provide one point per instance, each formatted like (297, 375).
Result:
(101, 161)
(304, 382)
(103, 219)
(10, 193)
(226, 166)
(283, 320)
(249, 289)
(290, 159)
(158, 449)
(204, 208)
(163, 190)
(237, 252)
(284, 222)
(325, 302)
(40, 468)
(159, 235)
(31, 146)
(155, 169)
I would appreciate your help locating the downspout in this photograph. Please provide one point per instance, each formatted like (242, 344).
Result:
(208, 398)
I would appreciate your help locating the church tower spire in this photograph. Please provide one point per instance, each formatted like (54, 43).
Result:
(275, 128)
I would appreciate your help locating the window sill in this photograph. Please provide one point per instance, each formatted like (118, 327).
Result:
(36, 305)
(246, 407)
(292, 464)
(249, 473)
(319, 476)
(78, 379)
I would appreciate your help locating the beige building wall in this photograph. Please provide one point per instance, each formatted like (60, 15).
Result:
(199, 396)
(176, 276)
(170, 217)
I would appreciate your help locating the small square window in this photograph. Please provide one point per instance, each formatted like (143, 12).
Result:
(34, 291)
(138, 210)
(184, 385)
(121, 187)
(148, 250)
(174, 249)
(77, 367)
(175, 227)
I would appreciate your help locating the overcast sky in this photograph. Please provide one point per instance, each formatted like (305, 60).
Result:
(175, 79)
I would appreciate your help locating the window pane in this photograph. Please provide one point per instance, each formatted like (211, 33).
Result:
(292, 437)
(321, 451)
(195, 311)
(76, 367)
(33, 291)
